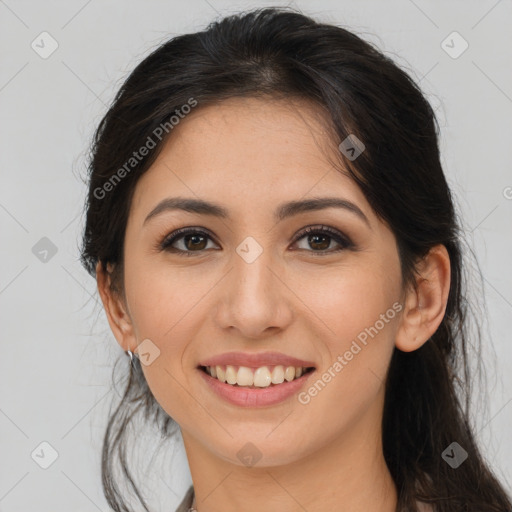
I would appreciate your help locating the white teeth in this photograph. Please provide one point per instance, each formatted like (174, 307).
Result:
(261, 377)
(244, 377)
(289, 373)
(221, 374)
(230, 374)
(278, 375)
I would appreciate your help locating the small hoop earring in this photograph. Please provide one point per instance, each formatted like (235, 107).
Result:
(129, 353)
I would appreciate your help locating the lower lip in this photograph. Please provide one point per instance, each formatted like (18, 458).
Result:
(253, 397)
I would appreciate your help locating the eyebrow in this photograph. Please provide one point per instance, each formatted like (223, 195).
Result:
(284, 211)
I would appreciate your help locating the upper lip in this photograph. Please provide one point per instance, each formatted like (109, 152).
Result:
(255, 360)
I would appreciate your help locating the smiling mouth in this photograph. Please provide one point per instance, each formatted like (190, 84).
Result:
(256, 378)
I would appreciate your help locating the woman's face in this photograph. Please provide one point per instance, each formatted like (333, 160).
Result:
(252, 285)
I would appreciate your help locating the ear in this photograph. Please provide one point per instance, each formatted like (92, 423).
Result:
(115, 309)
(425, 304)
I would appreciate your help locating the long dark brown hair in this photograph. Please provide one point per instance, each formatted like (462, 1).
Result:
(281, 53)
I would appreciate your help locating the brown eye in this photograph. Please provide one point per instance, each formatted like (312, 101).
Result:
(318, 241)
(320, 238)
(192, 240)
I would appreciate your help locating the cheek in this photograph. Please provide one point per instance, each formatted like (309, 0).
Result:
(349, 300)
(161, 298)
(356, 308)
(163, 305)
(356, 323)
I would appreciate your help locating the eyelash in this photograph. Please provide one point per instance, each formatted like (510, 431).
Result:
(334, 234)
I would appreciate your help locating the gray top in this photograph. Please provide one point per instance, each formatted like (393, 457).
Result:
(189, 498)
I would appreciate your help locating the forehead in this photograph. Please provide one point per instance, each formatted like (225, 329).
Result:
(249, 153)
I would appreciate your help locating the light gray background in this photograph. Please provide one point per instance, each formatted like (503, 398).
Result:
(57, 350)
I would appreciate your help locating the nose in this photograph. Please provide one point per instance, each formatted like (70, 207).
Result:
(254, 299)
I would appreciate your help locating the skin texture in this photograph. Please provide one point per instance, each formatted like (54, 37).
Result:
(250, 156)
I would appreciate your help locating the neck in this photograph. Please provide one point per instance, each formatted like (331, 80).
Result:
(348, 473)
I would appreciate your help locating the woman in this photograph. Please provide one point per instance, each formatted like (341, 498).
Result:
(273, 236)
